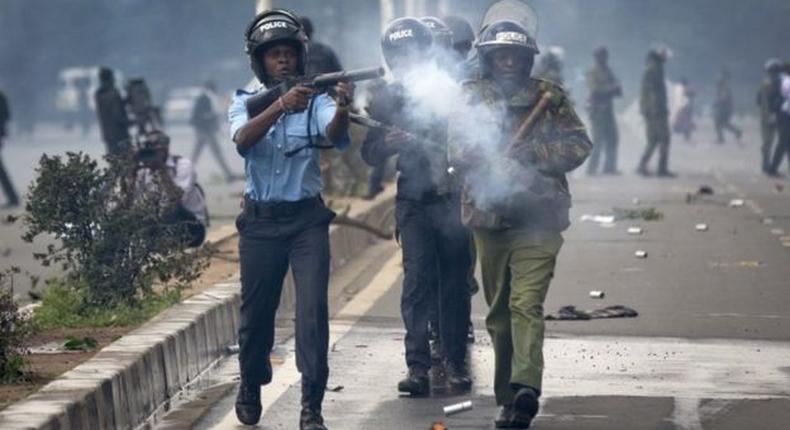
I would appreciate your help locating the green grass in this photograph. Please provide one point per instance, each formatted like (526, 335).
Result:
(63, 307)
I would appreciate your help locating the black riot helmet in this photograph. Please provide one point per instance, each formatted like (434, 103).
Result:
(503, 34)
(274, 27)
(442, 36)
(463, 34)
(404, 38)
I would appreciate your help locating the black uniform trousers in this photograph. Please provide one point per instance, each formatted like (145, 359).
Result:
(436, 261)
(274, 236)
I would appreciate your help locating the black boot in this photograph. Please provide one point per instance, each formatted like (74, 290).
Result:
(416, 382)
(248, 404)
(457, 375)
(312, 397)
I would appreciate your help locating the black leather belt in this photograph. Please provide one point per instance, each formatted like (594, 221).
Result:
(279, 209)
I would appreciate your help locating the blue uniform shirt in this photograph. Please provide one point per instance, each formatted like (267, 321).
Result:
(273, 177)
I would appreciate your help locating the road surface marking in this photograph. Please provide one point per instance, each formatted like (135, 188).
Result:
(287, 375)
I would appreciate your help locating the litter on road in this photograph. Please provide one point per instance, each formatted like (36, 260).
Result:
(570, 313)
(640, 254)
(595, 294)
(647, 214)
(603, 220)
(458, 408)
(736, 203)
(701, 227)
(635, 230)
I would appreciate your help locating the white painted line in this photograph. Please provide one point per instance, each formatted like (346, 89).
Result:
(286, 375)
(686, 414)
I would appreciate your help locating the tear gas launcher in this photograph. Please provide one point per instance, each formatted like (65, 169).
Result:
(323, 82)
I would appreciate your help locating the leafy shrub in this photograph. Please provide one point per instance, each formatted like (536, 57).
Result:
(114, 242)
(13, 331)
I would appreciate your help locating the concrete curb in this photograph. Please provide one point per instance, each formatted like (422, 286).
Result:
(126, 382)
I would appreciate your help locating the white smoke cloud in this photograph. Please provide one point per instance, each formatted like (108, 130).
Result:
(432, 92)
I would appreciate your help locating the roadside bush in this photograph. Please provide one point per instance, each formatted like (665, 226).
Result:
(113, 242)
(13, 331)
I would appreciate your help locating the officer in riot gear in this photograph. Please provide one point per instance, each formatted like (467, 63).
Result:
(517, 235)
(435, 244)
(284, 222)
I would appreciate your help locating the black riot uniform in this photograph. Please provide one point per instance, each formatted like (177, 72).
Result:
(435, 244)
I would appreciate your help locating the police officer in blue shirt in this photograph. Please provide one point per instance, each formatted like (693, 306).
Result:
(284, 222)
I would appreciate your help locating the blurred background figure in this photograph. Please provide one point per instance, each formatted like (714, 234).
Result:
(12, 199)
(723, 108)
(655, 111)
(769, 100)
(603, 88)
(320, 58)
(205, 121)
(550, 65)
(683, 122)
(111, 110)
(783, 121)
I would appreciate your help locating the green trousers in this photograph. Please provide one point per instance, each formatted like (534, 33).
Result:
(517, 267)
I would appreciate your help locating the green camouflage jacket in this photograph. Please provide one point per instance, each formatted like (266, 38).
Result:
(524, 184)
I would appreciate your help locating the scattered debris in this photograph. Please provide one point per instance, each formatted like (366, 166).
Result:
(635, 230)
(777, 231)
(768, 221)
(701, 227)
(232, 349)
(749, 264)
(647, 214)
(570, 313)
(640, 254)
(80, 344)
(736, 203)
(595, 294)
(336, 388)
(458, 408)
(603, 220)
(705, 190)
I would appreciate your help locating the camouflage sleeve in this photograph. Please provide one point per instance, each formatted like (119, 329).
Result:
(560, 144)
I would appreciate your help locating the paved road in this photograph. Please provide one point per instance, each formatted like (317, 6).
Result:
(21, 155)
(709, 350)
